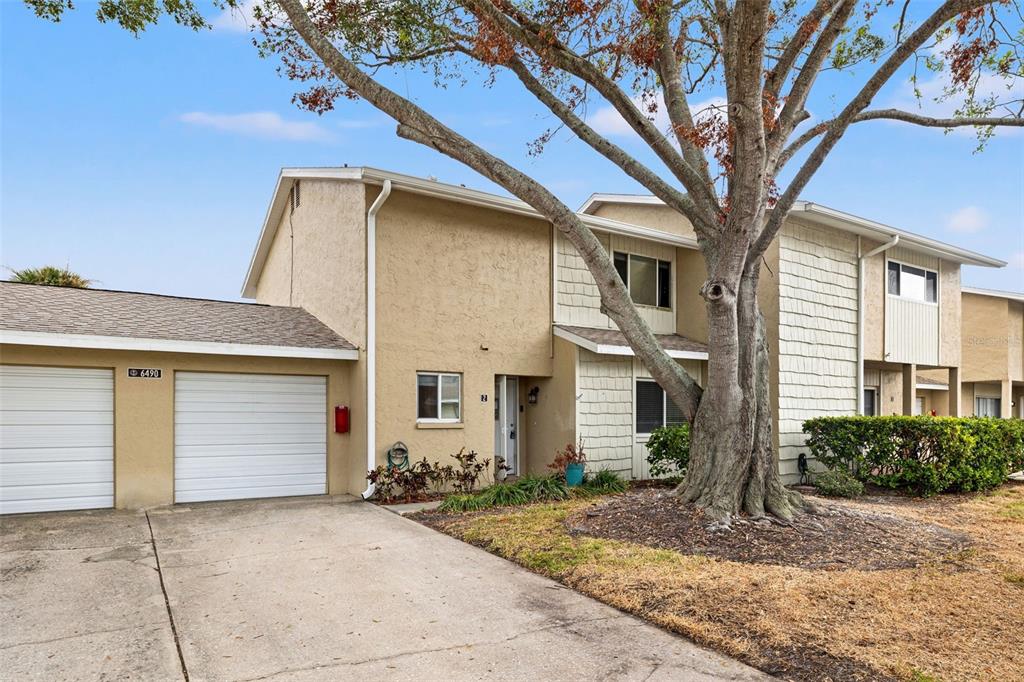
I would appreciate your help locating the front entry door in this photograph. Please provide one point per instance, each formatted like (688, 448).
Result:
(506, 421)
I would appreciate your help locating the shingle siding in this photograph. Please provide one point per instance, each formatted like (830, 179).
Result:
(605, 411)
(817, 353)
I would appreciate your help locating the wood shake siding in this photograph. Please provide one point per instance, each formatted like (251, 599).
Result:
(604, 407)
(817, 352)
(912, 327)
(579, 301)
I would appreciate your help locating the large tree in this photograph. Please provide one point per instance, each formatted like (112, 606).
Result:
(720, 169)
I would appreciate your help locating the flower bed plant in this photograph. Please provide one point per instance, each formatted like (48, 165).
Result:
(530, 489)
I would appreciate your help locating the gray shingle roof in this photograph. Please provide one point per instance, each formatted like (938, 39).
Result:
(613, 337)
(99, 312)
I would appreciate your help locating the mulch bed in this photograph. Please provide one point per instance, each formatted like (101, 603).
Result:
(837, 537)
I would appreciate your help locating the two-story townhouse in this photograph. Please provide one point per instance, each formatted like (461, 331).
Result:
(393, 308)
(992, 343)
(853, 310)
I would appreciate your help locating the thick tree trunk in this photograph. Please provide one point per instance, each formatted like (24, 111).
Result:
(733, 468)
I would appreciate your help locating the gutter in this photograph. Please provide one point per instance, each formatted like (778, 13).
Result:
(860, 312)
(371, 333)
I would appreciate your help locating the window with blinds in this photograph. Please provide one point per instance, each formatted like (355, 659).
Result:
(653, 407)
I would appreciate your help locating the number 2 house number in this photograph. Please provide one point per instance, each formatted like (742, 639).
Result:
(143, 373)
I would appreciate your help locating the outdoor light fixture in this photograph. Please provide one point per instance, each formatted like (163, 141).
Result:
(531, 397)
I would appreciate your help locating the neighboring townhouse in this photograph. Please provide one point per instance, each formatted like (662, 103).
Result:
(400, 309)
(993, 354)
(853, 308)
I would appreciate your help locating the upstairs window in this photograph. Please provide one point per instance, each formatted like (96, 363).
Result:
(438, 397)
(654, 408)
(648, 280)
(916, 284)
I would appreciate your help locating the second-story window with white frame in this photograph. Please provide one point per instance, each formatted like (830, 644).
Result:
(438, 397)
(649, 280)
(911, 282)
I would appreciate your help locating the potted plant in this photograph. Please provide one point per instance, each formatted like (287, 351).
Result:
(570, 462)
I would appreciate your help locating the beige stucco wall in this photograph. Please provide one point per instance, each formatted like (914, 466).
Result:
(144, 411)
(552, 420)
(874, 302)
(950, 313)
(985, 338)
(655, 217)
(691, 310)
(459, 289)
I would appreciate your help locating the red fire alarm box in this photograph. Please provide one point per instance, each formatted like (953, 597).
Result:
(341, 419)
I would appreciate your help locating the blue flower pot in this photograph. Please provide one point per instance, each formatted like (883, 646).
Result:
(574, 475)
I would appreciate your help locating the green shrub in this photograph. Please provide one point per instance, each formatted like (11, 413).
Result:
(551, 488)
(926, 455)
(668, 450)
(605, 481)
(838, 483)
(532, 489)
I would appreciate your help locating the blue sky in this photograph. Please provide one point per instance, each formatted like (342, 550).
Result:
(147, 164)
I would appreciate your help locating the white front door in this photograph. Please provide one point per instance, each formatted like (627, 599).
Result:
(506, 421)
(240, 436)
(56, 438)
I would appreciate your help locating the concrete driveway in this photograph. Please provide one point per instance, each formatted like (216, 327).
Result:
(302, 589)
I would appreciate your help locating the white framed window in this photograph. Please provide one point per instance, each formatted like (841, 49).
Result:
(987, 407)
(654, 409)
(871, 402)
(648, 280)
(914, 283)
(438, 397)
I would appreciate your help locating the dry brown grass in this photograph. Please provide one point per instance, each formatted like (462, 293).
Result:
(950, 621)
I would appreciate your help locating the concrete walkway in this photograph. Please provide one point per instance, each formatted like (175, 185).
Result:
(303, 589)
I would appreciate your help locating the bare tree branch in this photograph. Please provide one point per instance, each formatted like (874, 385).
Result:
(906, 117)
(548, 48)
(835, 132)
(806, 29)
(417, 125)
(677, 200)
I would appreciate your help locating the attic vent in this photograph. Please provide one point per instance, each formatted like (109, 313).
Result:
(296, 195)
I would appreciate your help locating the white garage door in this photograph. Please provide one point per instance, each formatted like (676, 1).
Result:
(56, 438)
(238, 436)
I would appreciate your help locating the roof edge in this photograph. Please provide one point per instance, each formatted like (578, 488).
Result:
(609, 349)
(995, 293)
(433, 188)
(58, 340)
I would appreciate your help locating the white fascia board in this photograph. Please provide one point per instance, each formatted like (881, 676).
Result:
(994, 293)
(869, 228)
(932, 387)
(431, 188)
(606, 349)
(171, 346)
(595, 200)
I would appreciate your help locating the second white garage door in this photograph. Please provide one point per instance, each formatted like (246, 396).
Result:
(240, 436)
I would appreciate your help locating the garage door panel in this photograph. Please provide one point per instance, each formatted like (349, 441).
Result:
(57, 504)
(42, 474)
(244, 417)
(56, 417)
(193, 467)
(58, 435)
(56, 438)
(51, 454)
(242, 436)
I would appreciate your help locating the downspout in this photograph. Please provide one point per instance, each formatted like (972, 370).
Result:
(371, 333)
(860, 313)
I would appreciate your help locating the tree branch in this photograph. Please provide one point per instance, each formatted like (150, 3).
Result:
(835, 132)
(418, 125)
(548, 48)
(630, 165)
(900, 115)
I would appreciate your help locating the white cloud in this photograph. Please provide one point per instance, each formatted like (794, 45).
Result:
(607, 120)
(264, 124)
(235, 19)
(967, 220)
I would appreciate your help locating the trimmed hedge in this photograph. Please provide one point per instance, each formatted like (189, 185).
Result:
(926, 455)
